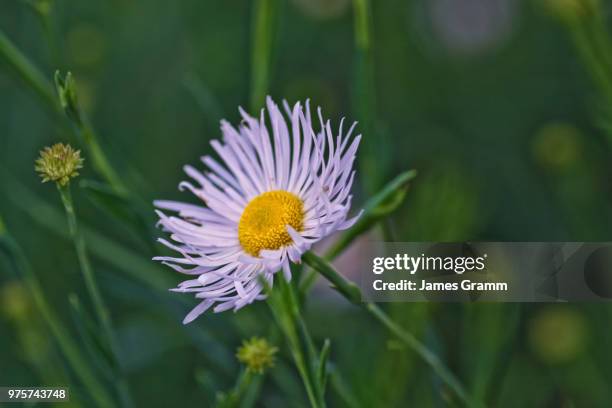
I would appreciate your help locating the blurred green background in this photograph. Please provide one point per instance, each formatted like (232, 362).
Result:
(487, 99)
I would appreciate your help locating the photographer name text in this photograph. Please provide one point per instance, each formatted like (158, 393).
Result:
(444, 267)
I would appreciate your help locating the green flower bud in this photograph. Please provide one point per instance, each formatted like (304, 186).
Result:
(257, 354)
(66, 90)
(59, 163)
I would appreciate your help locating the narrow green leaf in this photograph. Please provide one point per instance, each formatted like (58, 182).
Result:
(340, 386)
(284, 312)
(98, 351)
(322, 373)
(27, 72)
(234, 398)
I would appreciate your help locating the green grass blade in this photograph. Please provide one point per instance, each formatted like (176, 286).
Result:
(21, 66)
(263, 28)
(66, 343)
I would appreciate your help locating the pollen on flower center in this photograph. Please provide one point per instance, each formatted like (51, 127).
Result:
(264, 220)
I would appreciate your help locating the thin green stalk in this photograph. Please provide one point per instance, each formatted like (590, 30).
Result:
(49, 32)
(343, 390)
(491, 332)
(352, 293)
(430, 358)
(362, 24)
(286, 312)
(376, 209)
(65, 342)
(233, 399)
(43, 9)
(84, 262)
(263, 26)
(347, 288)
(300, 360)
(253, 389)
(99, 160)
(364, 95)
(592, 58)
(601, 39)
(91, 285)
(243, 384)
(592, 40)
(27, 72)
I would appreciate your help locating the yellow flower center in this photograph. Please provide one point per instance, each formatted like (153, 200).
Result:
(264, 220)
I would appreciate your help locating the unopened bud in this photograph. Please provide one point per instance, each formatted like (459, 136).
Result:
(66, 90)
(257, 354)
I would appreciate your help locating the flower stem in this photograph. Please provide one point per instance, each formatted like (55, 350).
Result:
(65, 342)
(43, 12)
(84, 262)
(362, 24)
(426, 354)
(99, 159)
(91, 285)
(351, 292)
(232, 400)
(364, 95)
(264, 21)
(347, 288)
(285, 309)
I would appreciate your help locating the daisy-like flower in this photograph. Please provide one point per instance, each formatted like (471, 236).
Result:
(278, 188)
